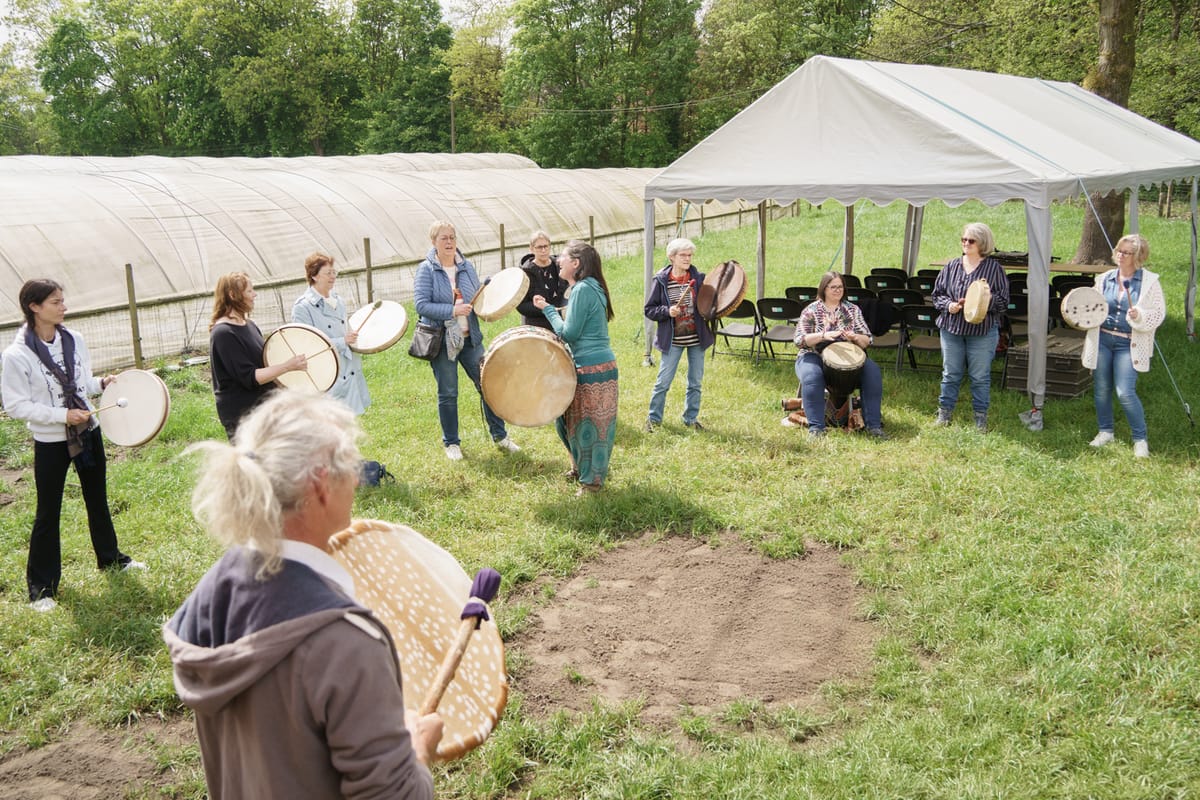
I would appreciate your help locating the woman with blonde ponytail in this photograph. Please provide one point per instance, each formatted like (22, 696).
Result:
(296, 686)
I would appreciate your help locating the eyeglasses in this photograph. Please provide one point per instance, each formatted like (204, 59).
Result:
(965, 240)
(1123, 252)
(837, 286)
(541, 247)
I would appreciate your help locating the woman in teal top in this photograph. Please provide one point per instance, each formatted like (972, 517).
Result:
(589, 424)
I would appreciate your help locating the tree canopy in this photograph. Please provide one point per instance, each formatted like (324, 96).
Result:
(570, 83)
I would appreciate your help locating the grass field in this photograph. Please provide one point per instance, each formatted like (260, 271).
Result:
(1038, 601)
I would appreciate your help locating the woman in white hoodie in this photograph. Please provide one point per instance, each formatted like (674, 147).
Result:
(46, 380)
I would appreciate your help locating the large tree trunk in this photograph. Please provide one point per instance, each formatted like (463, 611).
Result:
(1111, 80)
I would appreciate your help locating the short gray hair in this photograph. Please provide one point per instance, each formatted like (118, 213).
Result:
(677, 245)
(982, 235)
(247, 487)
(533, 237)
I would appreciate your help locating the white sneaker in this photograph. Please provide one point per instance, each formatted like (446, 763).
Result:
(44, 604)
(1141, 449)
(508, 445)
(133, 565)
(1102, 438)
(453, 452)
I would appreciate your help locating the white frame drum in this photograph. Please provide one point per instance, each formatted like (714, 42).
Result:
(378, 328)
(134, 408)
(1084, 308)
(502, 293)
(528, 376)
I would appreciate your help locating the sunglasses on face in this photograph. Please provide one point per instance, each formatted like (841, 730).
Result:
(965, 240)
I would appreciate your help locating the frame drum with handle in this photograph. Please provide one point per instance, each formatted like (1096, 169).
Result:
(842, 363)
(528, 376)
(292, 340)
(501, 294)
(977, 302)
(418, 591)
(378, 328)
(134, 408)
(723, 288)
(1084, 308)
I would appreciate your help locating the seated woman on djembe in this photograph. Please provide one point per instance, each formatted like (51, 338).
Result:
(825, 321)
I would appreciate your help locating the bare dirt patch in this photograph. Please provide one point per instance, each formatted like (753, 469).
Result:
(678, 623)
(91, 764)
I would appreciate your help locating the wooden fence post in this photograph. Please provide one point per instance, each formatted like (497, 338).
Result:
(367, 264)
(501, 245)
(133, 317)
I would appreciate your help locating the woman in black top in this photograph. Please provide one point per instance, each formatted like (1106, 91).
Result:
(240, 381)
(544, 281)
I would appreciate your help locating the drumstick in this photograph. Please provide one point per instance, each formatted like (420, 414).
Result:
(376, 305)
(121, 403)
(486, 281)
(683, 295)
(483, 589)
(311, 379)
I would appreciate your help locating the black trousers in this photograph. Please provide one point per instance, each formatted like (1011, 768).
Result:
(50, 463)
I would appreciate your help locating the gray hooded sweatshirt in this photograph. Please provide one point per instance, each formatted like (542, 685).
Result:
(296, 688)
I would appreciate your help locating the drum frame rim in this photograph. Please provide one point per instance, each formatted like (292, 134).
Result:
(162, 423)
(354, 348)
(329, 348)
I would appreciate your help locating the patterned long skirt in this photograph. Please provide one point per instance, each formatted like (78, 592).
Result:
(589, 424)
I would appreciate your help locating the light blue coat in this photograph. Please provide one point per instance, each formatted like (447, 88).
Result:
(313, 309)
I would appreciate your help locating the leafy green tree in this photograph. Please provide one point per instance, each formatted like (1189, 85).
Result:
(25, 124)
(477, 60)
(401, 46)
(747, 46)
(602, 83)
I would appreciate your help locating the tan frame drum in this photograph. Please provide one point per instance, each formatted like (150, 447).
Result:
(528, 376)
(977, 302)
(723, 289)
(293, 339)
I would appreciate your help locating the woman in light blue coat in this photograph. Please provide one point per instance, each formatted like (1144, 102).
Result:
(323, 309)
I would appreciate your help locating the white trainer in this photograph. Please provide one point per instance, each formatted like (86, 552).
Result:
(508, 445)
(44, 604)
(1141, 449)
(137, 565)
(1102, 438)
(453, 452)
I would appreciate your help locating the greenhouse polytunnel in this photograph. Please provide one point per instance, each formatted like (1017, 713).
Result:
(180, 223)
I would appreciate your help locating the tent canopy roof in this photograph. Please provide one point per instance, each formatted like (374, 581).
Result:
(848, 130)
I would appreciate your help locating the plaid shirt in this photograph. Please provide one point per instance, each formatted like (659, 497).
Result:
(816, 318)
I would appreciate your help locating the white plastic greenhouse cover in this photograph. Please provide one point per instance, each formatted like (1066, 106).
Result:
(182, 222)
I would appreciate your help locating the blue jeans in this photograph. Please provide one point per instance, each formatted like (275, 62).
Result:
(445, 372)
(812, 391)
(970, 356)
(1114, 370)
(666, 374)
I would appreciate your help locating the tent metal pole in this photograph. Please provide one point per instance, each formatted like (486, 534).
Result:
(762, 247)
(1189, 303)
(648, 247)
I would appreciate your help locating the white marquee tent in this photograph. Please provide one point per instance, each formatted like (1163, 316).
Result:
(844, 130)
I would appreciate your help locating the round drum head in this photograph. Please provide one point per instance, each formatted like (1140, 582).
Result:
(134, 408)
(292, 340)
(501, 295)
(528, 376)
(378, 327)
(418, 591)
(843, 356)
(977, 302)
(1084, 308)
(722, 290)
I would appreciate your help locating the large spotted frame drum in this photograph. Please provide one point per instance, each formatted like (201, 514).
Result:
(418, 590)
